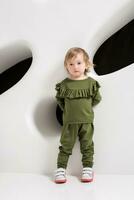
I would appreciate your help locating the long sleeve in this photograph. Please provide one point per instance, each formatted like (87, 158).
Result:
(60, 100)
(96, 96)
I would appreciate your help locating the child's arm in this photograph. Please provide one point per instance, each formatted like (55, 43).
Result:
(96, 96)
(60, 102)
(96, 99)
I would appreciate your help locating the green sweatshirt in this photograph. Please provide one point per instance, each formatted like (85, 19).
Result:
(76, 99)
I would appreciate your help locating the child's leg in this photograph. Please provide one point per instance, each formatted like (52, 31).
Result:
(86, 144)
(68, 138)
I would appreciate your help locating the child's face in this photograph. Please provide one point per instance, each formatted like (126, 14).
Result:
(76, 66)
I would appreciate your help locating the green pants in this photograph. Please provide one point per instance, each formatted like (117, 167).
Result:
(68, 137)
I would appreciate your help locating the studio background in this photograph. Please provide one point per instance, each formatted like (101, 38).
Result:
(45, 30)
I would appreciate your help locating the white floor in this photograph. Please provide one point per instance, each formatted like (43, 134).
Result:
(39, 187)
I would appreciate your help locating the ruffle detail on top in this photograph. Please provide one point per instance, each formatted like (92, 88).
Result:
(63, 91)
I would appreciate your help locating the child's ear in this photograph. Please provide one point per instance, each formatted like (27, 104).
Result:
(116, 52)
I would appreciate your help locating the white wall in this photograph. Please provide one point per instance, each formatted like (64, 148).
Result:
(29, 135)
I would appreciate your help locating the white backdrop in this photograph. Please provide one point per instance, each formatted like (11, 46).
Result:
(45, 29)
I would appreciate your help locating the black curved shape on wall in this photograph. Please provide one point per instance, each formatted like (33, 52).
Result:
(116, 52)
(59, 115)
(12, 75)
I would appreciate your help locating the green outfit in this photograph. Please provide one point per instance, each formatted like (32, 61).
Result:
(76, 98)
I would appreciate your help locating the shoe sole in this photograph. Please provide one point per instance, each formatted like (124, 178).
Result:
(60, 181)
(86, 180)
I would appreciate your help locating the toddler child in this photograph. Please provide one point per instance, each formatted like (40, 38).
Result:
(76, 95)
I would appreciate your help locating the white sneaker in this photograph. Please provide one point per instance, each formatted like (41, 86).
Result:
(87, 174)
(60, 175)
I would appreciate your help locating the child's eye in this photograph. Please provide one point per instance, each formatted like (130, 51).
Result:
(79, 63)
(71, 64)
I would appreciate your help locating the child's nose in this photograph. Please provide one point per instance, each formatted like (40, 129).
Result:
(75, 66)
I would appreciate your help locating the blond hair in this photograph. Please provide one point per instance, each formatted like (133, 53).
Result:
(73, 52)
